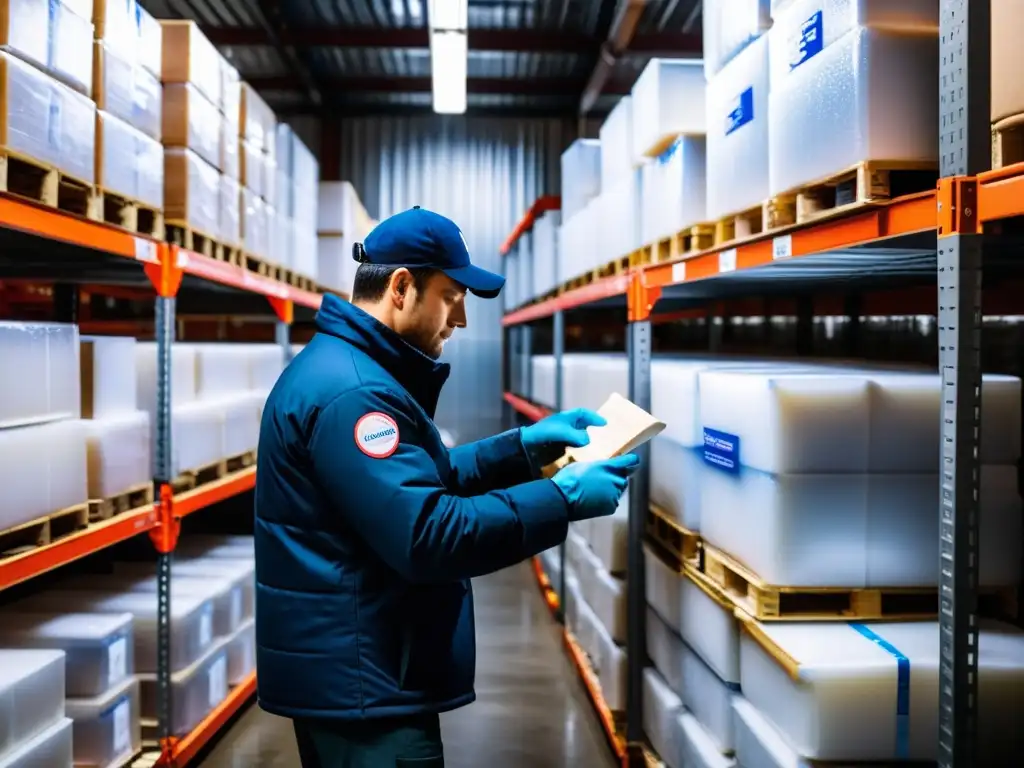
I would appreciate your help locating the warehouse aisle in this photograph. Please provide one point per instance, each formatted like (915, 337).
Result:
(530, 710)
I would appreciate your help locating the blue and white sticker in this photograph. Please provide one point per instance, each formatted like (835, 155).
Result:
(808, 42)
(721, 450)
(376, 435)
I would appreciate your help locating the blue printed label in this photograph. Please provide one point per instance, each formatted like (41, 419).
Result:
(665, 156)
(722, 450)
(810, 42)
(742, 111)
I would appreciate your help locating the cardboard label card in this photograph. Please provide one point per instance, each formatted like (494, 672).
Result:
(628, 427)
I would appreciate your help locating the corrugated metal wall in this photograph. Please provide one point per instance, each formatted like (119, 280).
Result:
(483, 173)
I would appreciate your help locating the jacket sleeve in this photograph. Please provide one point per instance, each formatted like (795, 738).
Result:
(490, 464)
(391, 493)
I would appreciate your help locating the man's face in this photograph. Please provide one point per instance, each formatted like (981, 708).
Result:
(428, 318)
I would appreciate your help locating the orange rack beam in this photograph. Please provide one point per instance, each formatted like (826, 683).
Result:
(19, 568)
(182, 751)
(526, 408)
(593, 688)
(550, 596)
(599, 289)
(542, 204)
(237, 276)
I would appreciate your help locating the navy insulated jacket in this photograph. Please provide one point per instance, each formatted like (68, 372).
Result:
(368, 529)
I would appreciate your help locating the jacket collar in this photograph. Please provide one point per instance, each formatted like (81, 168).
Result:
(421, 376)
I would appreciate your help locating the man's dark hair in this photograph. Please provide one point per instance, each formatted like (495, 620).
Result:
(372, 280)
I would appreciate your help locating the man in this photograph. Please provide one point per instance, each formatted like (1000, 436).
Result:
(368, 529)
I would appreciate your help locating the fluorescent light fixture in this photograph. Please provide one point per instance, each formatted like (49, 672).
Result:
(449, 14)
(448, 71)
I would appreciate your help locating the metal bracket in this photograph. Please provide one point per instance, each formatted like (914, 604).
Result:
(957, 206)
(641, 297)
(283, 308)
(165, 273)
(168, 525)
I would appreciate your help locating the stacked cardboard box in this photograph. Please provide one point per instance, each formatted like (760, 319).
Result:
(126, 62)
(257, 149)
(192, 125)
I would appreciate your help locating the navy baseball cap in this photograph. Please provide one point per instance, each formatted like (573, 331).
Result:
(422, 238)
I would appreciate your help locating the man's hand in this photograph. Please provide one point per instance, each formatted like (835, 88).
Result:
(547, 440)
(593, 488)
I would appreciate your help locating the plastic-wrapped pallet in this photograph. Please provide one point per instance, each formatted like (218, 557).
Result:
(51, 748)
(581, 175)
(131, 32)
(107, 729)
(673, 189)
(47, 121)
(230, 216)
(837, 698)
(56, 37)
(123, 88)
(875, 63)
(128, 162)
(696, 747)
(98, 648)
(545, 256)
(49, 473)
(251, 168)
(230, 98)
(668, 100)
(855, 513)
(31, 696)
(256, 120)
(737, 138)
(661, 707)
(618, 226)
(255, 232)
(616, 136)
(191, 191)
(729, 26)
(195, 690)
(191, 121)
(46, 387)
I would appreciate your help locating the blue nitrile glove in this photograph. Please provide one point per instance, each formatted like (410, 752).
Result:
(547, 440)
(593, 488)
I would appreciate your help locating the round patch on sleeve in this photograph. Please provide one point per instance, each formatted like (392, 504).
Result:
(377, 435)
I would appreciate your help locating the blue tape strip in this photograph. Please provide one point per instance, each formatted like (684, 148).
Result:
(902, 688)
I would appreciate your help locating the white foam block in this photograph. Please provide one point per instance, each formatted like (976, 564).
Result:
(241, 423)
(663, 589)
(842, 701)
(668, 99)
(608, 600)
(697, 747)
(710, 629)
(616, 137)
(45, 355)
(665, 649)
(737, 139)
(109, 385)
(709, 698)
(661, 707)
(673, 189)
(612, 670)
(581, 175)
(729, 26)
(118, 453)
(609, 537)
(758, 743)
(882, 105)
(676, 474)
(197, 435)
(183, 374)
(221, 369)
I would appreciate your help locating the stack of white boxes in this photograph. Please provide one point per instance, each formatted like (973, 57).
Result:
(129, 98)
(736, 68)
(42, 439)
(668, 114)
(618, 208)
(257, 150)
(99, 679)
(36, 731)
(544, 241)
(46, 74)
(581, 184)
(343, 222)
(873, 63)
(295, 218)
(749, 459)
(217, 391)
(118, 431)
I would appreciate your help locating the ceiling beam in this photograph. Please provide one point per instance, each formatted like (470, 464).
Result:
(509, 40)
(538, 86)
(621, 33)
(345, 110)
(268, 15)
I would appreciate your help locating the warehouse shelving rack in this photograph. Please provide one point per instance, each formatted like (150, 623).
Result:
(943, 235)
(45, 245)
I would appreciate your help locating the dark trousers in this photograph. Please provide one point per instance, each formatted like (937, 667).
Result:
(407, 742)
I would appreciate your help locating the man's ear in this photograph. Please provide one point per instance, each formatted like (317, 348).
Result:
(401, 281)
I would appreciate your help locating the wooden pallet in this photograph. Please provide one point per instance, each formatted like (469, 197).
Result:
(770, 603)
(230, 254)
(210, 473)
(43, 530)
(1008, 141)
(181, 234)
(30, 179)
(739, 226)
(617, 267)
(133, 498)
(277, 272)
(129, 214)
(681, 544)
(688, 241)
(862, 184)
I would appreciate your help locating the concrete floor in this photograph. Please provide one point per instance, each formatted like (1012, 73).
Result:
(530, 712)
